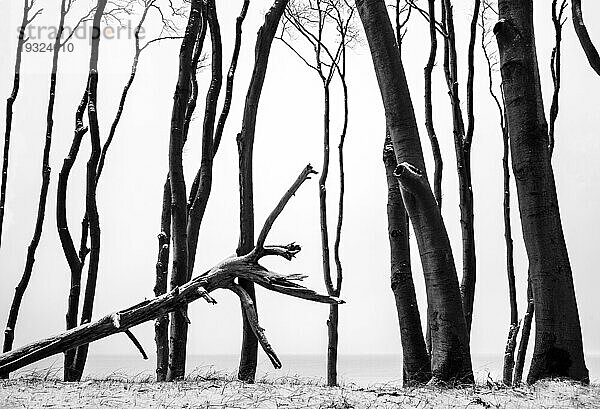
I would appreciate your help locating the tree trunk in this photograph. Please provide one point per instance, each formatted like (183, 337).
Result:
(161, 325)
(91, 208)
(451, 359)
(462, 145)
(245, 141)
(511, 342)
(522, 352)
(179, 275)
(204, 175)
(9, 112)
(584, 37)
(74, 260)
(558, 344)
(415, 359)
(31, 250)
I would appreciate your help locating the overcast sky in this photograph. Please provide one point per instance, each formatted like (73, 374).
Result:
(288, 136)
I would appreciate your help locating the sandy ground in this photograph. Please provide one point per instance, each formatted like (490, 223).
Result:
(224, 392)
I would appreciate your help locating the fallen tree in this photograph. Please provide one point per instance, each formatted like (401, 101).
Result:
(224, 275)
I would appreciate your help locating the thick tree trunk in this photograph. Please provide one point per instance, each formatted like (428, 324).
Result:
(179, 275)
(558, 344)
(9, 111)
(245, 141)
(31, 250)
(451, 359)
(415, 359)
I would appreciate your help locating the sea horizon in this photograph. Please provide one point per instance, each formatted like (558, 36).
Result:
(359, 369)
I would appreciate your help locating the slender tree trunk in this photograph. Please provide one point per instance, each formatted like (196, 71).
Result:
(73, 259)
(415, 359)
(161, 324)
(435, 146)
(332, 321)
(245, 141)
(462, 144)
(204, 175)
(558, 344)
(522, 352)
(584, 37)
(511, 342)
(9, 112)
(178, 335)
(451, 359)
(30, 260)
(91, 208)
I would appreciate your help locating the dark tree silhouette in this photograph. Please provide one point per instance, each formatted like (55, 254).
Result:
(558, 344)
(178, 335)
(584, 37)
(314, 21)
(27, 7)
(57, 49)
(415, 359)
(451, 359)
(513, 331)
(245, 142)
(462, 143)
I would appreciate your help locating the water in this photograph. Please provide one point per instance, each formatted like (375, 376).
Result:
(359, 369)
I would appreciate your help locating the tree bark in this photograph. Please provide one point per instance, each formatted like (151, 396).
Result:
(415, 359)
(31, 250)
(584, 37)
(451, 360)
(558, 344)
(245, 142)
(179, 275)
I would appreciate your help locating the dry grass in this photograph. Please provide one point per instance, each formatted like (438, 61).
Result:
(211, 389)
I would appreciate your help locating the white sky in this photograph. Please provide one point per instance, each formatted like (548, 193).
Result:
(288, 136)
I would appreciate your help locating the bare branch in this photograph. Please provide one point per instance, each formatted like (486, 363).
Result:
(304, 176)
(252, 316)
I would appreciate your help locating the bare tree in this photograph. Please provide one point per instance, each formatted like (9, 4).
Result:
(558, 347)
(245, 142)
(491, 58)
(557, 21)
(451, 359)
(57, 48)
(584, 37)
(27, 8)
(178, 336)
(462, 144)
(324, 25)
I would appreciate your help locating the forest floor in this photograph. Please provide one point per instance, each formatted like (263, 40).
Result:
(217, 391)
